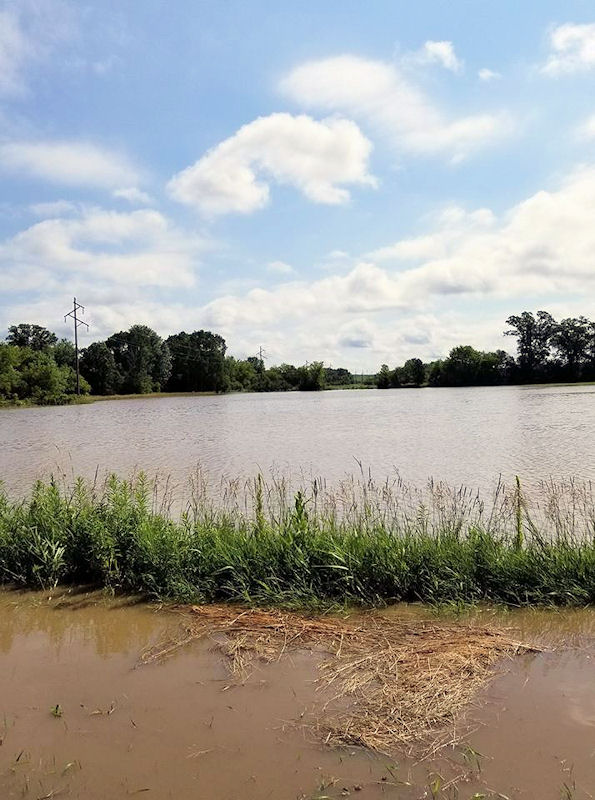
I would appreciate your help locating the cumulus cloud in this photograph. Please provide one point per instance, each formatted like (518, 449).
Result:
(317, 158)
(70, 163)
(380, 94)
(134, 195)
(486, 75)
(586, 130)
(572, 49)
(541, 248)
(441, 53)
(280, 267)
(141, 248)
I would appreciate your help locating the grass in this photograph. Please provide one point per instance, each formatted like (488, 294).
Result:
(264, 544)
(382, 682)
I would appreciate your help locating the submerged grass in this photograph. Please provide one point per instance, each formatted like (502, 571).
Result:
(381, 683)
(262, 543)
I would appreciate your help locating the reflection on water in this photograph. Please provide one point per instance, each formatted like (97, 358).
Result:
(63, 619)
(183, 729)
(461, 436)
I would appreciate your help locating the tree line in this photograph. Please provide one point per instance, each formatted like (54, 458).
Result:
(36, 366)
(547, 352)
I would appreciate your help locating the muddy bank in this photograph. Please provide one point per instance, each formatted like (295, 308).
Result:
(184, 728)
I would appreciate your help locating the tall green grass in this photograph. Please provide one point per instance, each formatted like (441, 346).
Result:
(263, 543)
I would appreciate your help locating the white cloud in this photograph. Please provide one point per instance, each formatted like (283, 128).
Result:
(71, 163)
(134, 195)
(280, 267)
(541, 248)
(572, 49)
(486, 74)
(338, 254)
(441, 53)
(14, 51)
(318, 158)
(380, 94)
(454, 224)
(587, 129)
(30, 30)
(140, 248)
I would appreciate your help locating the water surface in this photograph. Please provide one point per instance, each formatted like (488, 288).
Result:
(185, 729)
(461, 436)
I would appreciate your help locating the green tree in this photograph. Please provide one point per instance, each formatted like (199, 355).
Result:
(64, 353)
(142, 358)
(571, 338)
(197, 362)
(533, 334)
(383, 377)
(33, 336)
(241, 375)
(311, 377)
(11, 358)
(98, 366)
(466, 366)
(413, 372)
(338, 377)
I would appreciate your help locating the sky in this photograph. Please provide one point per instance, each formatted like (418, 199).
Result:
(357, 183)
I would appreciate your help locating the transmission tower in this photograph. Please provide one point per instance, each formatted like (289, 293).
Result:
(76, 307)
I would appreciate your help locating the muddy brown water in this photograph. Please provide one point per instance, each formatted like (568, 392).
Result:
(465, 436)
(183, 729)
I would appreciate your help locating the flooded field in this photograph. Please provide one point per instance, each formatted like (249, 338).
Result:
(465, 436)
(81, 716)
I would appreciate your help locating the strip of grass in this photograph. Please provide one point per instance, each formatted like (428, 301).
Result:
(285, 554)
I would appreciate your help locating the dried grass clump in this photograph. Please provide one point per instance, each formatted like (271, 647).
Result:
(386, 681)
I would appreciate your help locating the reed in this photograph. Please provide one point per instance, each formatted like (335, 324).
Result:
(262, 542)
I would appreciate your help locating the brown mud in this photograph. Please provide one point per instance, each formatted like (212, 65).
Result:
(82, 717)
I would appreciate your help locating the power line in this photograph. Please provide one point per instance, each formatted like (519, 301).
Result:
(76, 307)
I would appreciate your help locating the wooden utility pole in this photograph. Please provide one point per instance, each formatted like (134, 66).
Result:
(76, 307)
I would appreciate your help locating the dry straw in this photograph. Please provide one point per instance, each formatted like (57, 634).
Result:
(383, 682)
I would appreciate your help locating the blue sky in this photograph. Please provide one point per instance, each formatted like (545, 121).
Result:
(359, 183)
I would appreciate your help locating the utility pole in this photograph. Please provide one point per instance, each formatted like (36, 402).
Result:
(261, 356)
(76, 307)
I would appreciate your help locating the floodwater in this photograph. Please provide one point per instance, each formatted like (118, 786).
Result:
(183, 729)
(466, 436)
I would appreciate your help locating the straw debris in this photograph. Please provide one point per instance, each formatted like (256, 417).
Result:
(382, 682)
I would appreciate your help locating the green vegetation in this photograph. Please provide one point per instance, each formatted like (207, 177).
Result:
(366, 544)
(37, 368)
(547, 352)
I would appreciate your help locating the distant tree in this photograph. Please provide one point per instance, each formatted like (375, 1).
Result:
(142, 358)
(64, 353)
(197, 362)
(383, 377)
(338, 376)
(413, 372)
(11, 380)
(98, 366)
(571, 339)
(241, 375)
(466, 366)
(533, 334)
(33, 336)
(311, 377)
(291, 375)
